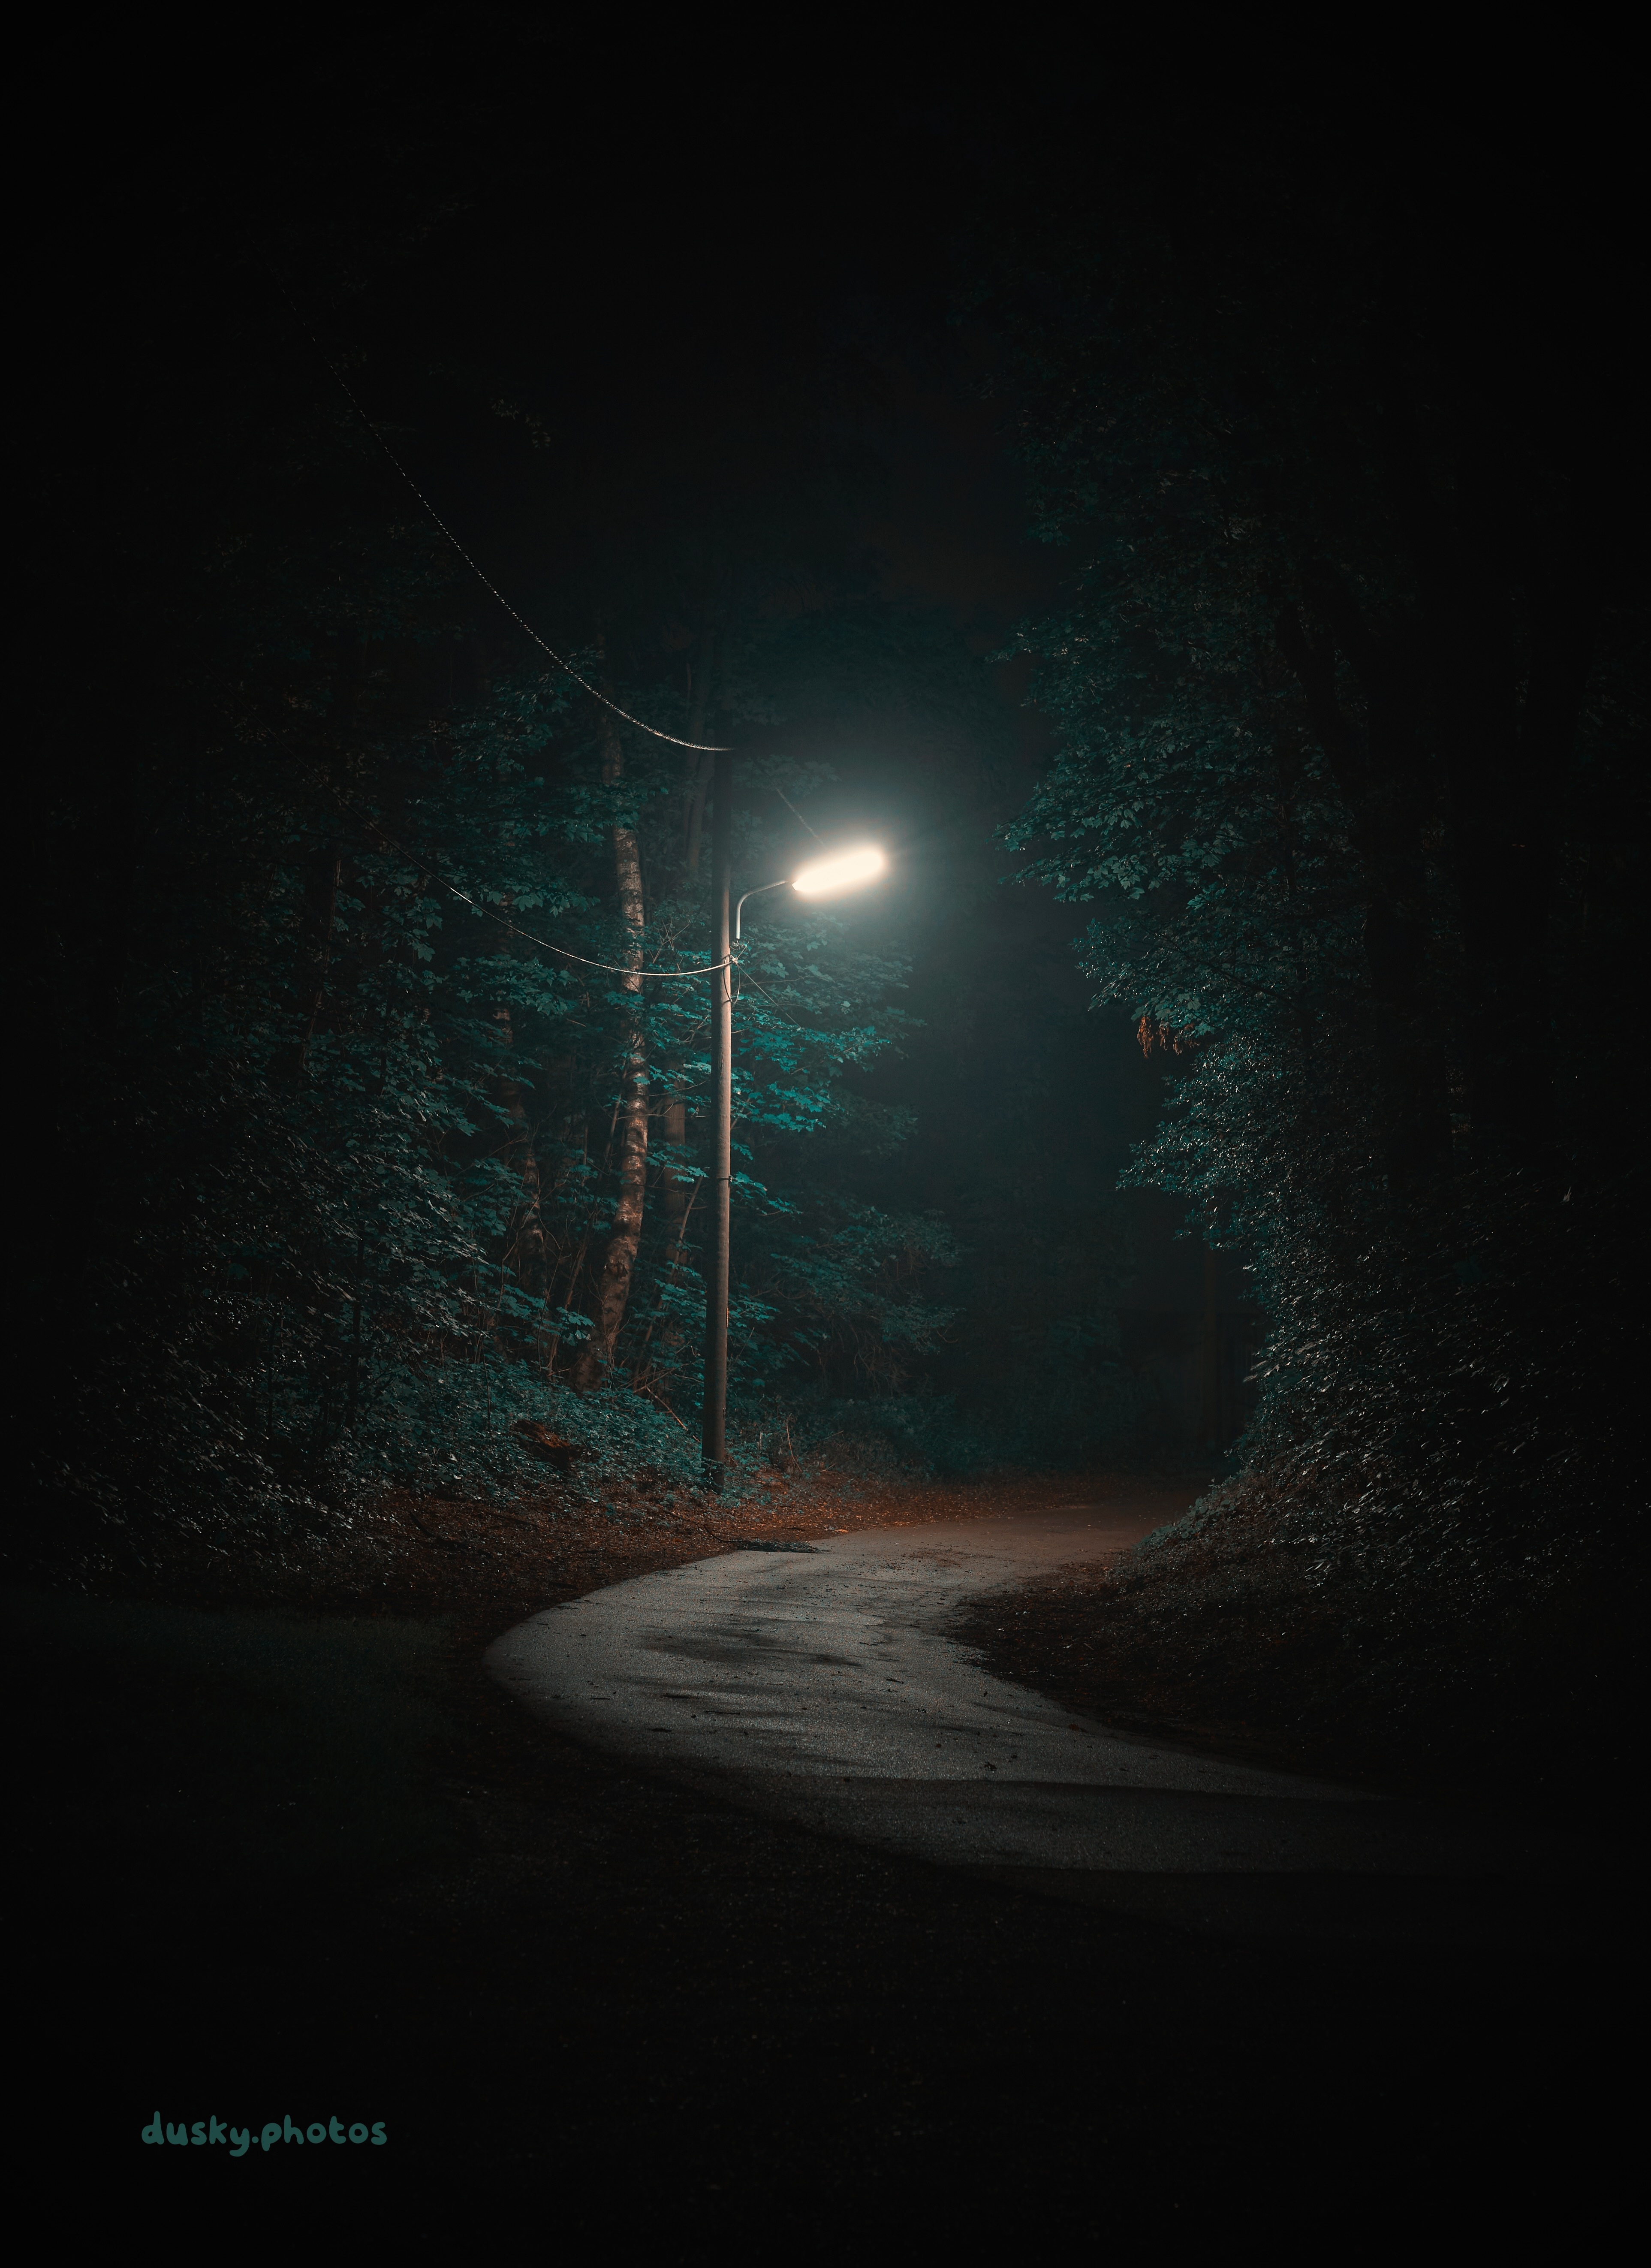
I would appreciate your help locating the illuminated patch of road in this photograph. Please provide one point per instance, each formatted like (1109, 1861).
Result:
(820, 1686)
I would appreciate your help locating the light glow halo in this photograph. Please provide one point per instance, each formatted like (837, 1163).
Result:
(844, 870)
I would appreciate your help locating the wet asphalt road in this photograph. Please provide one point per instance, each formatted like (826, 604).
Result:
(818, 1684)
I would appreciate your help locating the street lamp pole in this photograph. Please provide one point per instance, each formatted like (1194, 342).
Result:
(713, 1436)
(825, 877)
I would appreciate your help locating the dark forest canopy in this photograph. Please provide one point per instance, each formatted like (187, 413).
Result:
(1337, 678)
(1348, 694)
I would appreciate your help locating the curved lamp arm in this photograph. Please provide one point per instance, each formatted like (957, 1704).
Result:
(755, 894)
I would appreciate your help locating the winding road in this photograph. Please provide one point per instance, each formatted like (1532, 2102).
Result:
(816, 1683)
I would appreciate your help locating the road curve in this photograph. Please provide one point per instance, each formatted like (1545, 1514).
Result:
(817, 1683)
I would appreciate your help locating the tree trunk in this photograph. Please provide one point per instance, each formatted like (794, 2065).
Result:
(613, 1289)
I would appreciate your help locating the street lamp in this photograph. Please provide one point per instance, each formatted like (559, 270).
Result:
(823, 877)
(842, 870)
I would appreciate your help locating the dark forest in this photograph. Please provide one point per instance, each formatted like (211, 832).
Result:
(496, 505)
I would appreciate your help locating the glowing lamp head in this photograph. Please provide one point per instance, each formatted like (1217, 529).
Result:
(844, 870)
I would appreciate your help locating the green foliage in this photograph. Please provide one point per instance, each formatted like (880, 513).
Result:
(364, 1067)
(1333, 765)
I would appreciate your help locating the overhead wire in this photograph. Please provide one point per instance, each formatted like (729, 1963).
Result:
(614, 967)
(700, 747)
(795, 814)
(744, 977)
